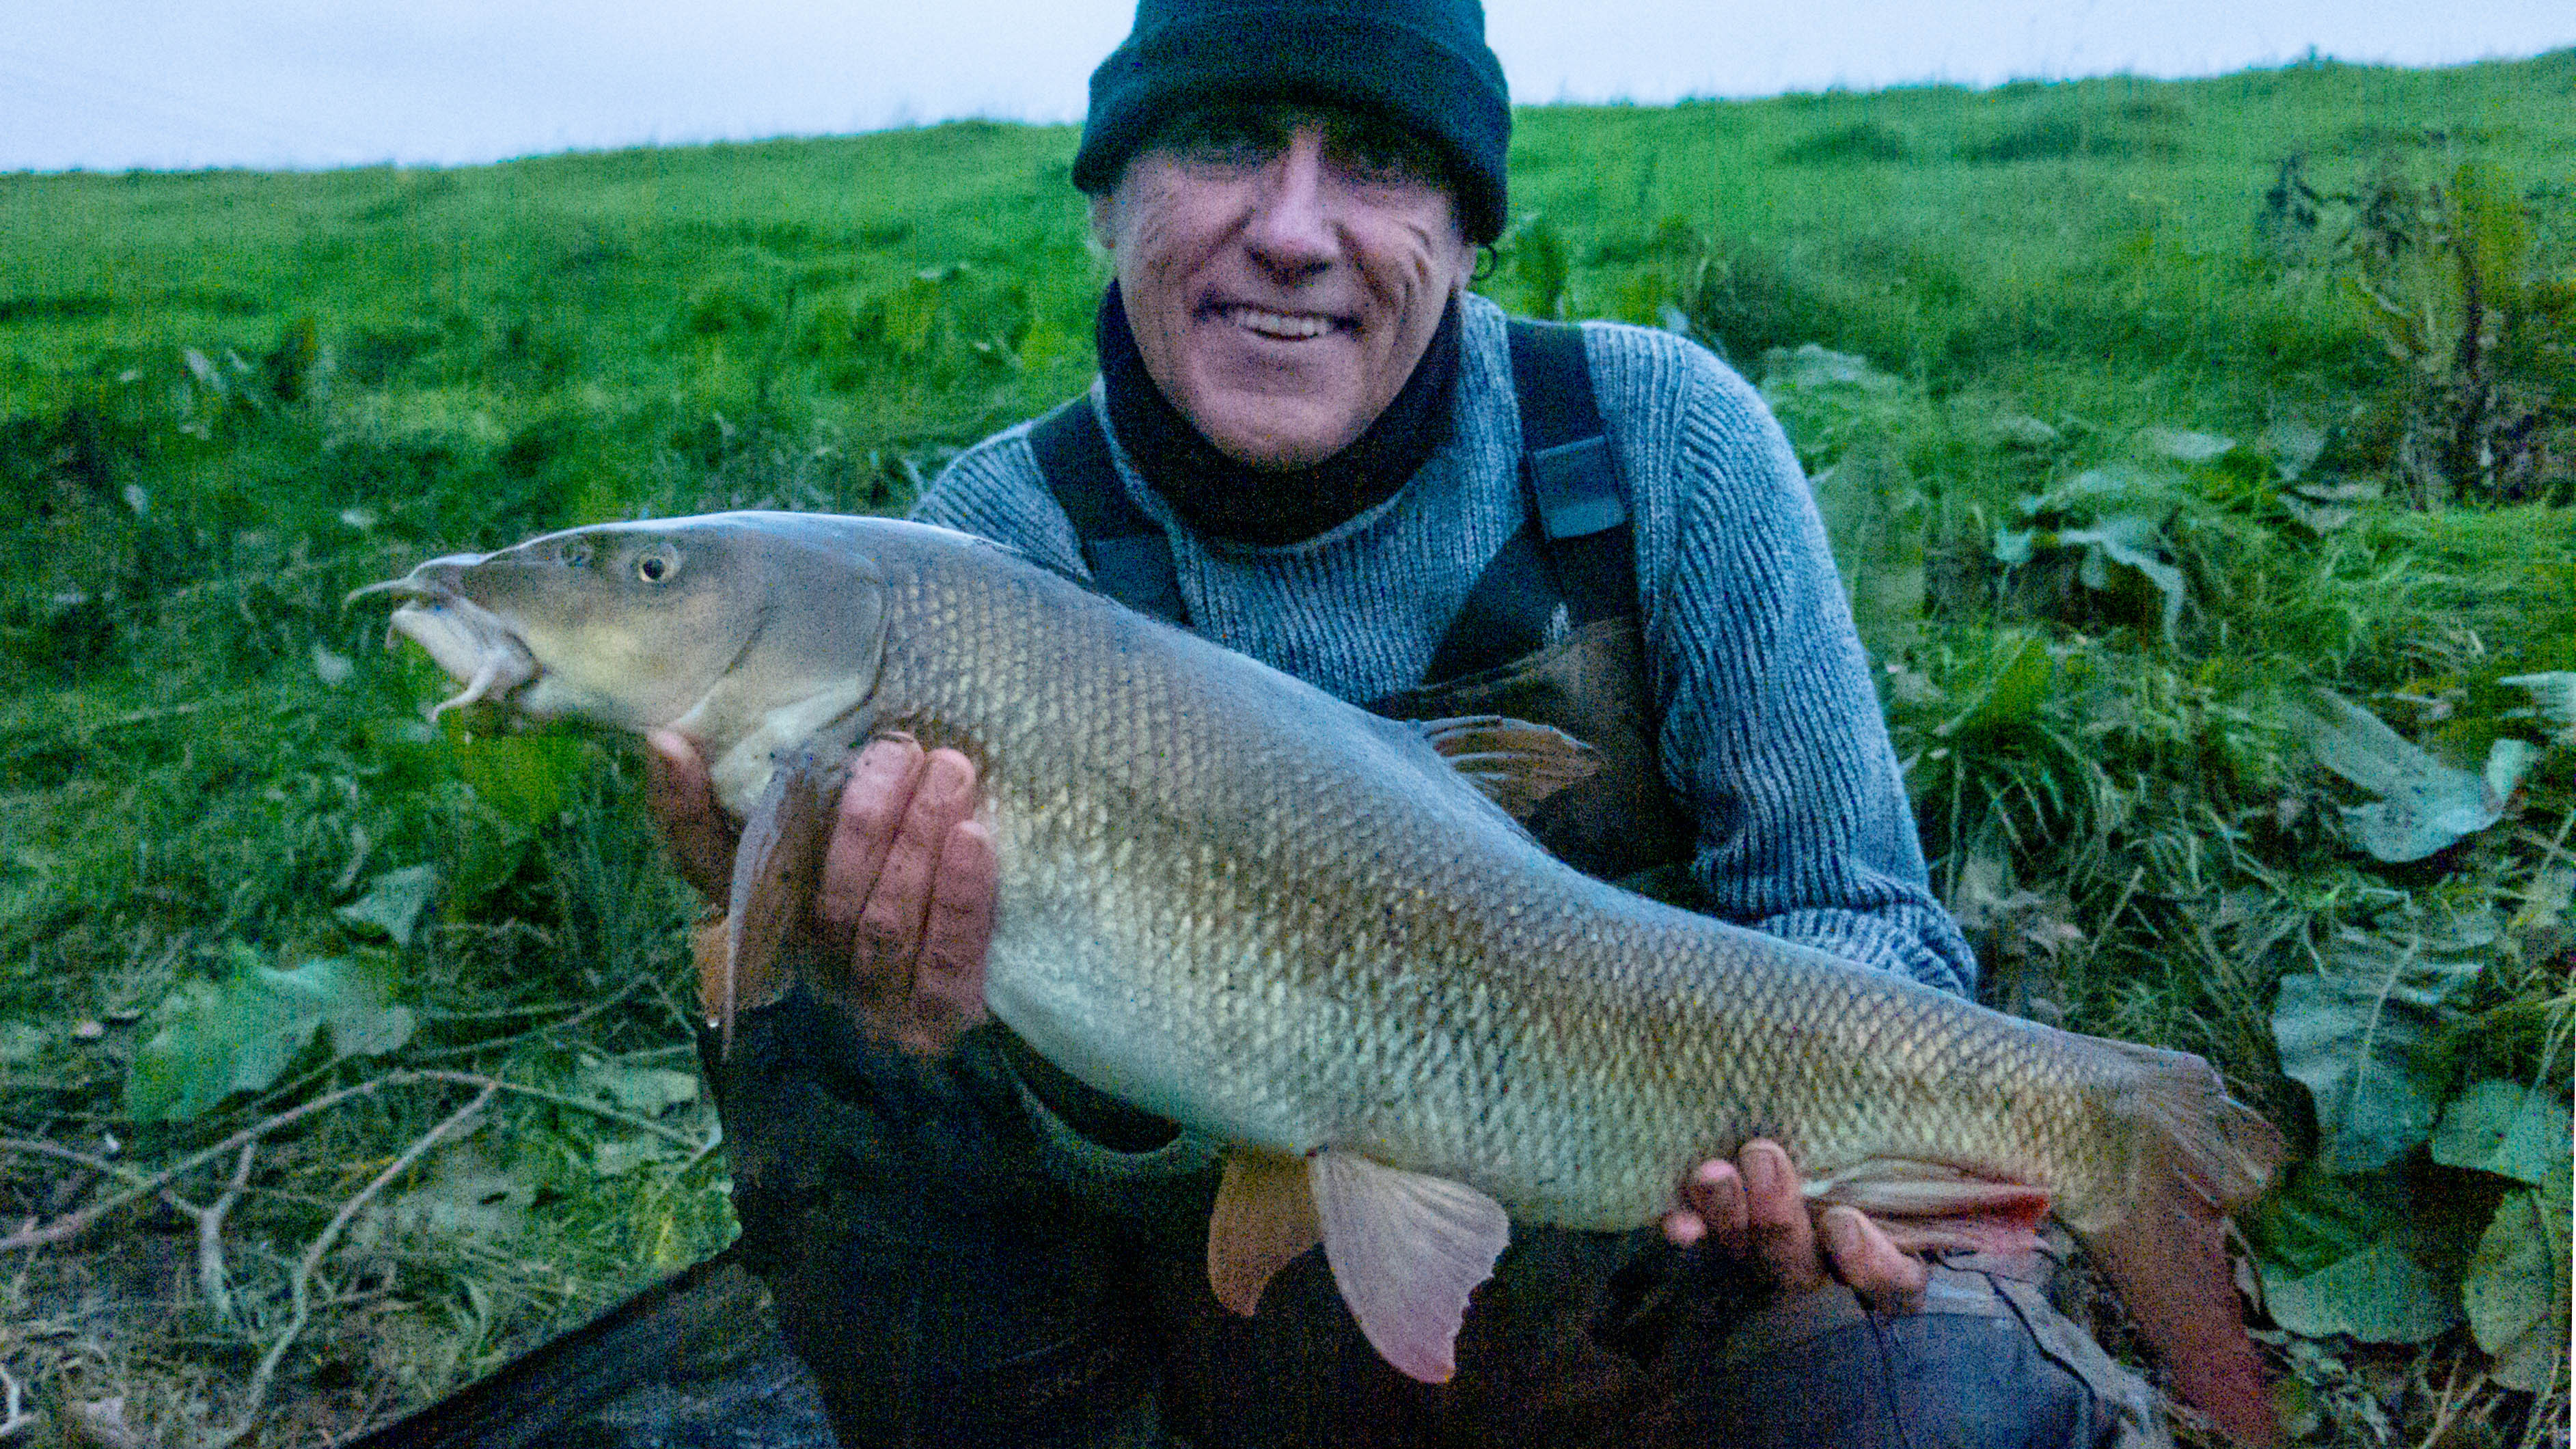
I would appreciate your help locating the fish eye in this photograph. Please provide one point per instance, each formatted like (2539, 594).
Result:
(657, 565)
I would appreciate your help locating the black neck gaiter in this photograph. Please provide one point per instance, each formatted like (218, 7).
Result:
(1239, 503)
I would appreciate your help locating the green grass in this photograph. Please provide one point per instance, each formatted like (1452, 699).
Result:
(228, 398)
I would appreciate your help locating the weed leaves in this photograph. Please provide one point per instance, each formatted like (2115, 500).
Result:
(2359, 1036)
(2517, 1287)
(242, 1035)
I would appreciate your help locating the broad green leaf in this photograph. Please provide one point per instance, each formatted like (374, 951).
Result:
(2379, 1295)
(2183, 446)
(465, 1196)
(394, 901)
(2517, 1286)
(242, 1036)
(2290, 447)
(1875, 517)
(2314, 1219)
(20, 1042)
(1811, 365)
(2131, 542)
(2354, 1036)
(2428, 805)
(2504, 1128)
(2553, 698)
(2117, 489)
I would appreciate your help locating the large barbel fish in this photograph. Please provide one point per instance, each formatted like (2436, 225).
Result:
(1234, 901)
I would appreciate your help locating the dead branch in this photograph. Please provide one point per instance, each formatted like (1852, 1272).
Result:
(72, 1224)
(212, 1280)
(300, 1289)
(13, 1413)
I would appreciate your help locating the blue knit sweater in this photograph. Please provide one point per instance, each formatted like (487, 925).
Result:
(1771, 731)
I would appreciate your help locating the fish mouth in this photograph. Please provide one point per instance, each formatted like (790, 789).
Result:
(478, 648)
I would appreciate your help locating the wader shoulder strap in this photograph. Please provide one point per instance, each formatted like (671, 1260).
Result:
(1129, 558)
(1577, 549)
(1578, 552)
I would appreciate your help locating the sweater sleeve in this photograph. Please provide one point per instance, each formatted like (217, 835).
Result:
(1771, 731)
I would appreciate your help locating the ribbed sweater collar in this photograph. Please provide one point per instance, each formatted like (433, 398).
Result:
(1268, 507)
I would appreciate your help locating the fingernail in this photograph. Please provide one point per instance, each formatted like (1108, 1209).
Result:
(1761, 1168)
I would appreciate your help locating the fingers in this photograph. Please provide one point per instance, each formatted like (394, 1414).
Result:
(1885, 1276)
(863, 831)
(682, 801)
(1754, 1209)
(899, 904)
(1778, 1235)
(1712, 1208)
(907, 891)
(948, 983)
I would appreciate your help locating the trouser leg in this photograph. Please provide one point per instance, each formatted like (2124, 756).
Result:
(1987, 1363)
(942, 1289)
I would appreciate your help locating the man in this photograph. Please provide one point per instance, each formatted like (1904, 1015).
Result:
(1312, 444)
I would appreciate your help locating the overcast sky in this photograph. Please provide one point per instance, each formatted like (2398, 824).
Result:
(111, 84)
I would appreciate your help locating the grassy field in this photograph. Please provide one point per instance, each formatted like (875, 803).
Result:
(341, 1056)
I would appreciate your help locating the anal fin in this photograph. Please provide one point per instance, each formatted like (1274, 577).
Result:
(1265, 1216)
(1406, 1250)
(1923, 1206)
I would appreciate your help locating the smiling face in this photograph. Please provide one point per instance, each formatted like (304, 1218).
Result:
(1283, 270)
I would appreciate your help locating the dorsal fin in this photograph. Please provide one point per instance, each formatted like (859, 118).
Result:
(1516, 763)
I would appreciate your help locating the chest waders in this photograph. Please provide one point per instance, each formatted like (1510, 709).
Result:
(1550, 634)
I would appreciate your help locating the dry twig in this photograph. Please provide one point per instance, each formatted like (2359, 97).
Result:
(300, 1290)
(212, 1280)
(72, 1224)
(13, 1412)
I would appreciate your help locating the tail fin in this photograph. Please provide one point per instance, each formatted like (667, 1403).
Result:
(2197, 1153)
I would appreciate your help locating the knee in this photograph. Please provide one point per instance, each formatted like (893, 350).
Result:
(1977, 1369)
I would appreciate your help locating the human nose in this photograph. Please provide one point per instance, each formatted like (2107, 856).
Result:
(1292, 226)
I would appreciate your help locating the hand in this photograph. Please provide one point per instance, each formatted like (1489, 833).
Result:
(907, 884)
(1753, 1210)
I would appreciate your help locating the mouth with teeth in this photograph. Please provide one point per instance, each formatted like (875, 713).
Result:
(1282, 326)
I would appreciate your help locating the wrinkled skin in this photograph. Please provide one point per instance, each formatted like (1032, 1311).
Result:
(1283, 274)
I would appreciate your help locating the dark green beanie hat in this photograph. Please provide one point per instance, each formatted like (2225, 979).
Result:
(1422, 63)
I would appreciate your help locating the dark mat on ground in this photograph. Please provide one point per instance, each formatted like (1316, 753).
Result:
(695, 1362)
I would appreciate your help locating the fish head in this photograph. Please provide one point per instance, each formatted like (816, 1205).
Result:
(701, 624)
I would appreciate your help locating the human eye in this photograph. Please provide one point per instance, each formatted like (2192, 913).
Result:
(1380, 153)
(1229, 137)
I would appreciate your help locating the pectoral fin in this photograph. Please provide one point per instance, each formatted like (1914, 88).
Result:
(1517, 764)
(773, 875)
(1265, 1216)
(1406, 1250)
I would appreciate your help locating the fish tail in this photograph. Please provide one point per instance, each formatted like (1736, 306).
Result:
(2195, 1154)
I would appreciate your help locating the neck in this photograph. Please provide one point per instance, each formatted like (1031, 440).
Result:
(1224, 498)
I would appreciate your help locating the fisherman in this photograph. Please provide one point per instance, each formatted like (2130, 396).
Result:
(1310, 442)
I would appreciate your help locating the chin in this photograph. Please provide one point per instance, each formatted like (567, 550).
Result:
(1273, 431)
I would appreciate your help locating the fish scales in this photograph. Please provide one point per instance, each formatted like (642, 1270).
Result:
(1497, 1018)
(1232, 900)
